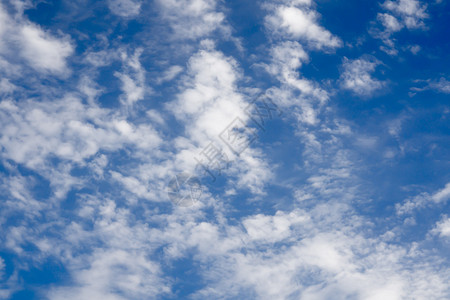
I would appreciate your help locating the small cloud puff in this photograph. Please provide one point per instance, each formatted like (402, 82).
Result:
(357, 76)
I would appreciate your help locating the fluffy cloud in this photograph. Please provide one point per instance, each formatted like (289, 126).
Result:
(117, 236)
(311, 254)
(112, 273)
(301, 23)
(409, 14)
(44, 52)
(62, 129)
(442, 227)
(132, 78)
(356, 76)
(35, 134)
(208, 104)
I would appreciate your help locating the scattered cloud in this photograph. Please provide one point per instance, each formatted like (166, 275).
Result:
(133, 78)
(125, 8)
(42, 50)
(192, 19)
(442, 227)
(301, 22)
(97, 113)
(412, 13)
(357, 76)
(442, 85)
(400, 14)
(424, 200)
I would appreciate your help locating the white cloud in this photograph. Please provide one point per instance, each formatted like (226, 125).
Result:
(411, 12)
(170, 74)
(43, 51)
(35, 132)
(389, 22)
(132, 78)
(442, 195)
(414, 49)
(356, 76)
(317, 248)
(125, 8)
(101, 58)
(423, 200)
(192, 19)
(287, 58)
(442, 85)
(114, 274)
(314, 254)
(442, 227)
(301, 23)
(6, 286)
(62, 129)
(208, 103)
(110, 258)
(2, 268)
(4, 20)
(400, 14)
(6, 87)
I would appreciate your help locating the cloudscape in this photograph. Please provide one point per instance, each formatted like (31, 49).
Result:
(206, 149)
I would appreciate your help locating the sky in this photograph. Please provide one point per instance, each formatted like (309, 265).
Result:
(206, 149)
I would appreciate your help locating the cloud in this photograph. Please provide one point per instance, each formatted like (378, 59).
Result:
(442, 195)
(132, 78)
(192, 19)
(356, 76)
(6, 87)
(316, 253)
(6, 286)
(400, 14)
(116, 236)
(42, 51)
(442, 85)
(209, 100)
(389, 22)
(208, 103)
(442, 227)
(62, 129)
(300, 23)
(424, 200)
(36, 133)
(170, 74)
(125, 8)
(2, 269)
(411, 12)
(114, 274)
(287, 59)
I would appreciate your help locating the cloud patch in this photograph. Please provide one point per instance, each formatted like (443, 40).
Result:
(357, 76)
(43, 51)
(301, 22)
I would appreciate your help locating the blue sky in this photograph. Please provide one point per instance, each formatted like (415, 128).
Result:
(107, 107)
